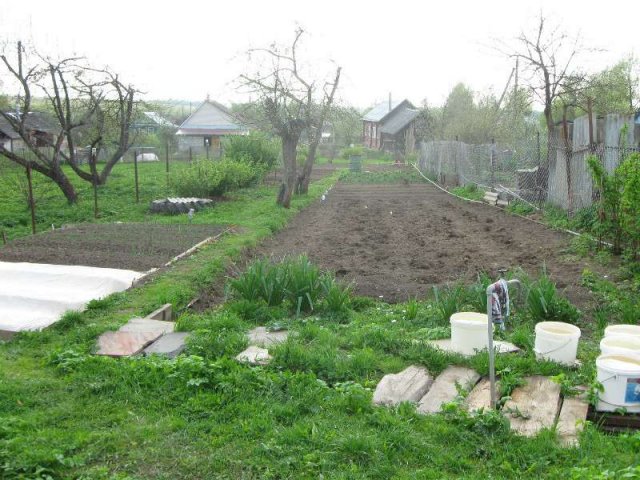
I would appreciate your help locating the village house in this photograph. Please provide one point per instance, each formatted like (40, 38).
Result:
(37, 124)
(207, 126)
(390, 126)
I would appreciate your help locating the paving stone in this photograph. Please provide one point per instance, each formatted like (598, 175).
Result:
(254, 356)
(262, 337)
(445, 388)
(124, 344)
(147, 325)
(410, 385)
(571, 420)
(533, 406)
(499, 345)
(170, 345)
(479, 397)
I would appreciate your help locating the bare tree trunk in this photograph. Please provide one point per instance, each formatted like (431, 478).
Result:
(304, 179)
(289, 145)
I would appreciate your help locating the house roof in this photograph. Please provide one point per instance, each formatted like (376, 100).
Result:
(398, 120)
(35, 121)
(380, 111)
(210, 118)
(157, 119)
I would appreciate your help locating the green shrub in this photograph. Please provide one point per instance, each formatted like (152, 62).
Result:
(348, 152)
(255, 149)
(545, 303)
(206, 178)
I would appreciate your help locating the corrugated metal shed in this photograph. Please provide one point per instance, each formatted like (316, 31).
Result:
(210, 118)
(381, 110)
(399, 120)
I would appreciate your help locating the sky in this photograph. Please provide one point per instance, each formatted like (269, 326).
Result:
(410, 49)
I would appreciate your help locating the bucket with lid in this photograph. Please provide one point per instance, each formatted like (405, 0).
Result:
(557, 342)
(619, 375)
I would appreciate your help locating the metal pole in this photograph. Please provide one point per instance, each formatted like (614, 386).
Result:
(95, 184)
(135, 174)
(167, 156)
(32, 204)
(190, 154)
(491, 351)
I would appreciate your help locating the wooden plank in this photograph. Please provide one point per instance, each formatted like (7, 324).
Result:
(533, 406)
(446, 388)
(480, 397)
(571, 419)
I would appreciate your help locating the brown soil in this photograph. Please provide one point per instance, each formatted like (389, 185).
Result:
(131, 246)
(398, 241)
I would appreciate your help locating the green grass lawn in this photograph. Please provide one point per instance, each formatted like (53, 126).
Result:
(67, 414)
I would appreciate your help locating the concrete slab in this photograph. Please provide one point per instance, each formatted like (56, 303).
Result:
(533, 406)
(479, 397)
(147, 325)
(262, 337)
(124, 344)
(446, 388)
(163, 313)
(254, 356)
(571, 420)
(499, 345)
(170, 345)
(410, 385)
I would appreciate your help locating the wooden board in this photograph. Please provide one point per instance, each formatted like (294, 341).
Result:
(410, 385)
(533, 406)
(571, 419)
(480, 397)
(446, 388)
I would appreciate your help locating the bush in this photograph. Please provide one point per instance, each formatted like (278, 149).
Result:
(348, 152)
(206, 178)
(255, 149)
(545, 303)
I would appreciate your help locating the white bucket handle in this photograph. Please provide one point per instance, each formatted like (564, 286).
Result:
(553, 349)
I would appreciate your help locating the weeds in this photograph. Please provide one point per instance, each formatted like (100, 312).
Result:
(545, 303)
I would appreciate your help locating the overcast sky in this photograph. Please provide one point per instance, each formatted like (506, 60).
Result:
(413, 49)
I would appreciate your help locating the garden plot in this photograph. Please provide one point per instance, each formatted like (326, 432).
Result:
(397, 241)
(131, 246)
(33, 296)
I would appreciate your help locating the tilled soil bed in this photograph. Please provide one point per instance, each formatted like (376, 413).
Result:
(398, 241)
(131, 246)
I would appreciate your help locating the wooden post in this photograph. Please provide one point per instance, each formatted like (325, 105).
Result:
(32, 203)
(4, 237)
(167, 155)
(190, 154)
(135, 174)
(493, 163)
(95, 184)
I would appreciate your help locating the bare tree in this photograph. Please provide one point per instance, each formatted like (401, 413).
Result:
(293, 103)
(88, 106)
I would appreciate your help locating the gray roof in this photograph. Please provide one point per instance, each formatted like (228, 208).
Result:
(7, 130)
(399, 120)
(380, 111)
(35, 121)
(210, 118)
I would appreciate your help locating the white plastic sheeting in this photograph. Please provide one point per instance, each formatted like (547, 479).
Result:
(35, 295)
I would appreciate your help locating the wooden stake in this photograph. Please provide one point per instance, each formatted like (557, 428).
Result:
(32, 204)
(135, 174)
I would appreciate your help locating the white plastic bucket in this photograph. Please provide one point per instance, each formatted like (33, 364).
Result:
(626, 330)
(469, 332)
(617, 344)
(557, 341)
(619, 374)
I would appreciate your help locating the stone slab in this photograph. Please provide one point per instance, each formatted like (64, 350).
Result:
(499, 345)
(571, 420)
(147, 325)
(124, 344)
(170, 345)
(446, 388)
(533, 406)
(262, 337)
(479, 397)
(410, 385)
(163, 313)
(254, 356)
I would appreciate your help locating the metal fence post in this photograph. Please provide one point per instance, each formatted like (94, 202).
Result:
(135, 174)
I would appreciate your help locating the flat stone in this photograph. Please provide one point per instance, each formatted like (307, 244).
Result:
(571, 420)
(499, 346)
(254, 356)
(533, 406)
(170, 345)
(410, 385)
(147, 325)
(163, 313)
(262, 337)
(479, 397)
(446, 388)
(124, 344)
